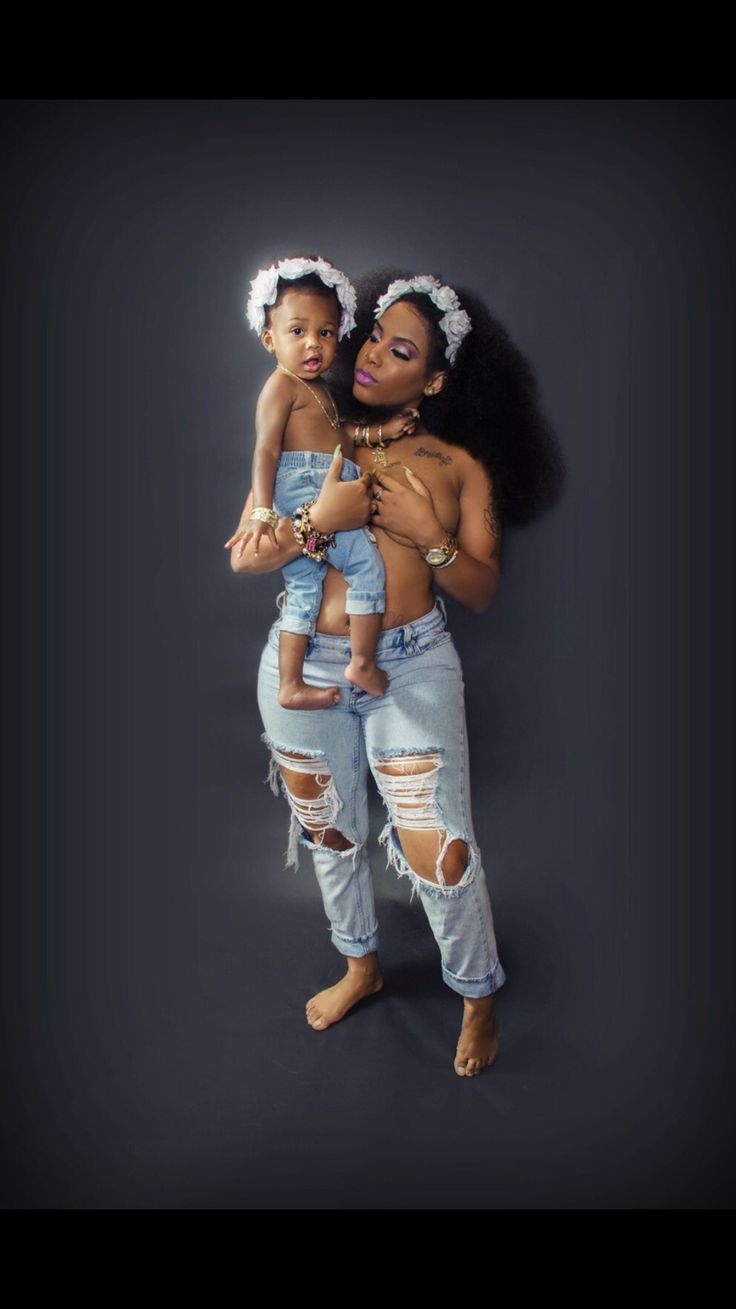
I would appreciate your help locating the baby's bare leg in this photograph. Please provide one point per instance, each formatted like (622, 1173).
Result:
(294, 693)
(363, 671)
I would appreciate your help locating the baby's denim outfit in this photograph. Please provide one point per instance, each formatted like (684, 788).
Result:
(299, 477)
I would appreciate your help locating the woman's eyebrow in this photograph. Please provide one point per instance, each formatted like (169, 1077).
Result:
(406, 339)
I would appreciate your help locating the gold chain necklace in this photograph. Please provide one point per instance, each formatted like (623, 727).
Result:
(334, 422)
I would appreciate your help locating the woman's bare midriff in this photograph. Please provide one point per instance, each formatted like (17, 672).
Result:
(409, 594)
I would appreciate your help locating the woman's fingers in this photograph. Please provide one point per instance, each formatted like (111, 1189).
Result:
(335, 468)
(416, 482)
(385, 483)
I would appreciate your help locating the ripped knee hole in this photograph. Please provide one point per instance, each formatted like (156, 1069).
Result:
(311, 793)
(408, 785)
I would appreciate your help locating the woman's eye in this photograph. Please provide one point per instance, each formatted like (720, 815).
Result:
(398, 353)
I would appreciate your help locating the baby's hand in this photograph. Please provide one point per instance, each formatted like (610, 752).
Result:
(402, 424)
(256, 528)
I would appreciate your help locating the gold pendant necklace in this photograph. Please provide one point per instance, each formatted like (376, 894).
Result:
(334, 423)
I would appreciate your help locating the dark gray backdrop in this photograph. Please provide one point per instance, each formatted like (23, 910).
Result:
(157, 957)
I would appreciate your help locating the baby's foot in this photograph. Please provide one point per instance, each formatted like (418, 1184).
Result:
(297, 695)
(368, 676)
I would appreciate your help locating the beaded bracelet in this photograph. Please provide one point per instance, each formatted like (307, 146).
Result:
(314, 544)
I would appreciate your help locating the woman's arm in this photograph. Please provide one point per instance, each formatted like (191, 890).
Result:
(473, 576)
(340, 507)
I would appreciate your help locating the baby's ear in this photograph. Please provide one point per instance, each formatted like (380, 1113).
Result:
(267, 340)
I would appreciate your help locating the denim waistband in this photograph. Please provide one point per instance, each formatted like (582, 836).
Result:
(309, 459)
(409, 638)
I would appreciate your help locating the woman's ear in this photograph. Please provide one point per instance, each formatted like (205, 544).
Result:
(435, 383)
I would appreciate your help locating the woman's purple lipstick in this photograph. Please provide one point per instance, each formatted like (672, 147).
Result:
(365, 379)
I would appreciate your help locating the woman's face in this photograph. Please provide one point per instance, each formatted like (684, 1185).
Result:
(391, 367)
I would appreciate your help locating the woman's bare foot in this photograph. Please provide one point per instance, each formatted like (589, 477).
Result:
(297, 695)
(367, 675)
(362, 978)
(477, 1045)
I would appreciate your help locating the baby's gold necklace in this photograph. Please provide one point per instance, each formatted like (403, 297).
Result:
(334, 423)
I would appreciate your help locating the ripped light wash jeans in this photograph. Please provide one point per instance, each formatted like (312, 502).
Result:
(420, 719)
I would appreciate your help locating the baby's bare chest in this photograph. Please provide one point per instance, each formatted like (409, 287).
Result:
(309, 428)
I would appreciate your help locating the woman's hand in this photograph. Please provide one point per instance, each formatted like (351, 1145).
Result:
(407, 510)
(341, 506)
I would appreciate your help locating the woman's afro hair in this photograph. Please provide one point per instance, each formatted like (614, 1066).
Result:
(489, 403)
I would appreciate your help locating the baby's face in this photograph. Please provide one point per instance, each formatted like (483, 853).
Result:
(303, 332)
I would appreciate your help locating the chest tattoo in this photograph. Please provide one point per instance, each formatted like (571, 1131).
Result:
(434, 454)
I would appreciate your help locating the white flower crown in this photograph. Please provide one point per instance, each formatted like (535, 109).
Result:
(264, 284)
(456, 323)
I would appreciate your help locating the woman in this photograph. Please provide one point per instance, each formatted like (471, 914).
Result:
(479, 454)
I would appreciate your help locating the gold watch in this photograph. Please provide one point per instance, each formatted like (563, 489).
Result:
(439, 556)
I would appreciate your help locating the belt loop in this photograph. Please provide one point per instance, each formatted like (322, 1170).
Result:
(409, 638)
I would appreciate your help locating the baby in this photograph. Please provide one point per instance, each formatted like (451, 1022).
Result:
(301, 308)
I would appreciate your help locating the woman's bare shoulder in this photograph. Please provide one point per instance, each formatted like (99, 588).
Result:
(426, 446)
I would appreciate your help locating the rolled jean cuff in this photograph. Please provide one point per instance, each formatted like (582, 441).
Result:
(355, 946)
(301, 626)
(365, 602)
(476, 986)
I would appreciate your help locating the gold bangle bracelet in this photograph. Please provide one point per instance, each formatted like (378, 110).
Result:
(265, 515)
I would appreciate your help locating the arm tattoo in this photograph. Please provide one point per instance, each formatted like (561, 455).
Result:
(491, 523)
(434, 454)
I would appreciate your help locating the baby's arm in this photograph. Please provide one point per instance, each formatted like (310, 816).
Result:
(402, 424)
(272, 415)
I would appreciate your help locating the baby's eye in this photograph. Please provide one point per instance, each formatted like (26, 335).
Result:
(297, 329)
(326, 331)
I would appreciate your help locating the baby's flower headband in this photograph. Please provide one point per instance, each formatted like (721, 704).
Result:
(456, 324)
(264, 284)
